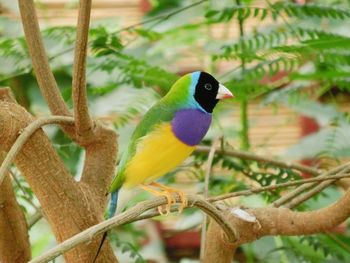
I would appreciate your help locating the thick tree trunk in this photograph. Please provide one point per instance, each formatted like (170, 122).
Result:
(68, 206)
(14, 240)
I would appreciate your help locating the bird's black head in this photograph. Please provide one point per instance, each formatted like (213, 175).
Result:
(209, 91)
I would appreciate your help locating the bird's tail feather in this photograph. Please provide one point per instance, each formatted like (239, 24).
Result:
(119, 199)
(113, 204)
(111, 211)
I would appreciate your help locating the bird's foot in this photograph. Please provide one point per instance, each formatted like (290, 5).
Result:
(171, 191)
(170, 199)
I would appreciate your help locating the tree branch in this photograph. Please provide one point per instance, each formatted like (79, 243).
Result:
(99, 142)
(253, 157)
(25, 135)
(53, 185)
(318, 188)
(14, 238)
(34, 219)
(96, 157)
(274, 221)
(128, 217)
(136, 212)
(159, 18)
(296, 192)
(281, 185)
(83, 122)
(44, 75)
(100, 163)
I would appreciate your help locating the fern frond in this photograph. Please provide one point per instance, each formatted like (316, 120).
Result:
(14, 57)
(64, 34)
(135, 107)
(239, 11)
(133, 71)
(309, 10)
(249, 47)
(275, 11)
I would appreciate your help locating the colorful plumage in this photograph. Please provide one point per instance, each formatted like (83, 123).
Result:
(168, 133)
(165, 137)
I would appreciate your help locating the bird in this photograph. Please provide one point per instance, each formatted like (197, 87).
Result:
(167, 134)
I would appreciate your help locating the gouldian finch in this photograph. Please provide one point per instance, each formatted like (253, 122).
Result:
(166, 136)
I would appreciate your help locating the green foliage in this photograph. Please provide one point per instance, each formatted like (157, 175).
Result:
(128, 247)
(309, 44)
(263, 174)
(104, 43)
(133, 71)
(275, 11)
(315, 248)
(69, 152)
(160, 6)
(13, 57)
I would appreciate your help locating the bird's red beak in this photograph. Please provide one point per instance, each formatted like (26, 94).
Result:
(223, 93)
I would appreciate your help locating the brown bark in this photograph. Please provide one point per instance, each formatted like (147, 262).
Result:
(274, 221)
(44, 75)
(83, 122)
(14, 241)
(82, 203)
(100, 163)
(69, 207)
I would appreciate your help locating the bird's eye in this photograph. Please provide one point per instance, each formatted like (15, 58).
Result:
(208, 86)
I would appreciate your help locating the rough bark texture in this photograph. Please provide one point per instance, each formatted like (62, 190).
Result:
(69, 207)
(14, 241)
(100, 163)
(274, 221)
(218, 247)
(44, 75)
(83, 122)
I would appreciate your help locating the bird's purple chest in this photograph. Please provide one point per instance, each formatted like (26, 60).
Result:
(190, 125)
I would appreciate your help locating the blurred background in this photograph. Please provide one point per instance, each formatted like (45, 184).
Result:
(287, 62)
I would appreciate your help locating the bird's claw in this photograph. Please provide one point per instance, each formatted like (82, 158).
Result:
(168, 192)
(170, 200)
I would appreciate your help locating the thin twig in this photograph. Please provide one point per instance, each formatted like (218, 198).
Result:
(276, 186)
(206, 190)
(253, 157)
(82, 117)
(318, 188)
(34, 218)
(296, 192)
(25, 135)
(128, 216)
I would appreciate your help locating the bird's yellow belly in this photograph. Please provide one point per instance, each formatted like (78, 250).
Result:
(157, 154)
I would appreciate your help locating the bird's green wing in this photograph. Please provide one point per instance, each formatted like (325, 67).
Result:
(159, 113)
